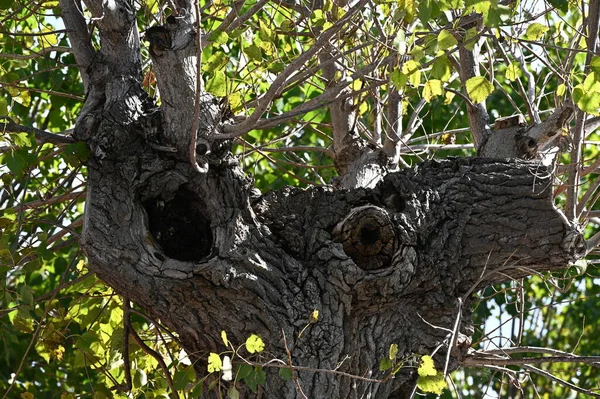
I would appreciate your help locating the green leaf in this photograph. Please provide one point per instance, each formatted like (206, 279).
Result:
(23, 139)
(214, 363)
(385, 364)
(590, 103)
(446, 5)
(411, 70)
(427, 367)
(253, 52)
(471, 38)
(398, 79)
(479, 88)
(286, 374)
(562, 5)
(255, 344)
(6, 4)
(219, 37)
(535, 31)
(432, 88)
(3, 102)
(595, 64)
(441, 68)
(244, 371)
(217, 85)
(446, 40)
(139, 378)
(233, 393)
(76, 153)
(513, 72)
(184, 377)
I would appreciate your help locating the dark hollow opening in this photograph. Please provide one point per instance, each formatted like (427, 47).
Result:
(369, 235)
(180, 226)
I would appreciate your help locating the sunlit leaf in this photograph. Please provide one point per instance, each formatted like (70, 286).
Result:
(214, 363)
(255, 344)
(479, 88)
(411, 70)
(535, 31)
(427, 366)
(432, 88)
(513, 72)
(217, 85)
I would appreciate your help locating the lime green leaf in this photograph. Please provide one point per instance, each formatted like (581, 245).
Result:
(224, 338)
(427, 367)
(411, 70)
(535, 31)
(446, 5)
(408, 9)
(590, 103)
(561, 89)
(441, 69)
(286, 374)
(446, 40)
(433, 88)
(433, 384)
(393, 351)
(479, 88)
(23, 139)
(214, 363)
(385, 364)
(255, 344)
(512, 72)
(595, 64)
(219, 37)
(217, 84)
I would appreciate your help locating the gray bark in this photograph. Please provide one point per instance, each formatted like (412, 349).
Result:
(384, 264)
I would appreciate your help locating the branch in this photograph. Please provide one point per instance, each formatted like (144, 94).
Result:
(593, 20)
(41, 135)
(79, 37)
(280, 82)
(36, 54)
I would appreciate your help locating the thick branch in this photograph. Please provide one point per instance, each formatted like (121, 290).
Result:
(79, 36)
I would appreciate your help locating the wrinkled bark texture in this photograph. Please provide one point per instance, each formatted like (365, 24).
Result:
(387, 264)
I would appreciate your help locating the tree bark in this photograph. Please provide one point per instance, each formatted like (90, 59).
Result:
(383, 265)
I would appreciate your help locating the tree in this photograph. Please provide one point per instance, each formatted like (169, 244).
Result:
(360, 285)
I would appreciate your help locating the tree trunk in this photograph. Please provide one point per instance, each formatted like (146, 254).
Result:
(384, 265)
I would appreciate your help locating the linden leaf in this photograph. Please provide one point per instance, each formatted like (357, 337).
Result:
(427, 367)
(512, 72)
(411, 70)
(214, 363)
(441, 69)
(446, 40)
(217, 84)
(535, 31)
(255, 344)
(479, 88)
(433, 88)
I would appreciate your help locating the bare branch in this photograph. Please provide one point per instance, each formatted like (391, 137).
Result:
(72, 15)
(41, 135)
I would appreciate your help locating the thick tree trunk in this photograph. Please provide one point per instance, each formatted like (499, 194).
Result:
(384, 265)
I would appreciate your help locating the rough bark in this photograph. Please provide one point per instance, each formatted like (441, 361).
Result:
(384, 264)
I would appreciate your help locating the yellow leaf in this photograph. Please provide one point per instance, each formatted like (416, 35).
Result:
(255, 344)
(214, 363)
(478, 89)
(27, 395)
(393, 351)
(427, 368)
(48, 39)
(433, 88)
(224, 338)
(314, 316)
(411, 70)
